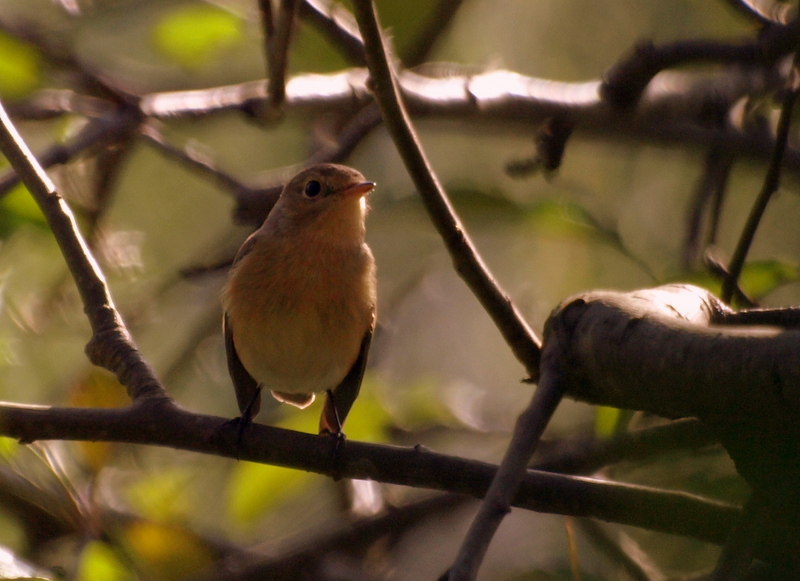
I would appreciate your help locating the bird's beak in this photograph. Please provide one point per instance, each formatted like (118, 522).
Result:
(361, 189)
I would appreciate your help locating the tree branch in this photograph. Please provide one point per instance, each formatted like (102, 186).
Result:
(497, 503)
(466, 260)
(151, 422)
(338, 25)
(111, 345)
(771, 184)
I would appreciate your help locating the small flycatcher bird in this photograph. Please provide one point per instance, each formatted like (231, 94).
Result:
(299, 304)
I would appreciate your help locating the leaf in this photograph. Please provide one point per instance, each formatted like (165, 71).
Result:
(192, 35)
(98, 388)
(18, 208)
(253, 489)
(164, 551)
(99, 562)
(608, 421)
(8, 448)
(20, 68)
(163, 495)
(759, 278)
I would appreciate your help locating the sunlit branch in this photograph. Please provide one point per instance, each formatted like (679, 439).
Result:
(111, 345)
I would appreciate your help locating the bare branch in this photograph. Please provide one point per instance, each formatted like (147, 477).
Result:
(625, 81)
(279, 44)
(111, 345)
(436, 24)
(96, 134)
(771, 184)
(582, 455)
(153, 132)
(497, 503)
(153, 423)
(338, 25)
(467, 261)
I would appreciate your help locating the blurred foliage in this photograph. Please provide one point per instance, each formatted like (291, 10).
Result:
(20, 68)
(193, 34)
(613, 216)
(99, 561)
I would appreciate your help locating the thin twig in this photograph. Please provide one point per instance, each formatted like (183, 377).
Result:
(96, 134)
(720, 271)
(437, 23)
(338, 25)
(710, 192)
(111, 345)
(468, 263)
(771, 184)
(497, 503)
(279, 44)
(299, 558)
(153, 132)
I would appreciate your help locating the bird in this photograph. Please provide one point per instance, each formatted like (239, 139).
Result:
(300, 299)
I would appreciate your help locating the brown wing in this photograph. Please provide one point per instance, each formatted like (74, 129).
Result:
(339, 400)
(248, 391)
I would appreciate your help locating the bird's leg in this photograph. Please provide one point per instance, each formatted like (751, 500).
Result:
(245, 420)
(329, 423)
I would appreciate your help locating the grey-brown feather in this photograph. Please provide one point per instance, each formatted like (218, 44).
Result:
(248, 391)
(336, 409)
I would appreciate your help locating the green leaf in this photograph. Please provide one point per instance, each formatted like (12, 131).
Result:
(192, 35)
(18, 208)
(99, 562)
(610, 421)
(8, 448)
(759, 278)
(163, 495)
(20, 68)
(254, 489)
(164, 551)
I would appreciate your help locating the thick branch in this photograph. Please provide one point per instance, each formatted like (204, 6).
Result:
(673, 109)
(661, 350)
(162, 423)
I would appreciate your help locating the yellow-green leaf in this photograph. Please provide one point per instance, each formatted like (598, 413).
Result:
(20, 68)
(165, 552)
(761, 277)
(191, 35)
(99, 562)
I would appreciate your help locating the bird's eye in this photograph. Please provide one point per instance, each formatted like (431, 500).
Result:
(313, 188)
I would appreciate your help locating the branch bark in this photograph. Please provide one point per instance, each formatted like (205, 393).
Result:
(111, 346)
(150, 422)
(466, 259)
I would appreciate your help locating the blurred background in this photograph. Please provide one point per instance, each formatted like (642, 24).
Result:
(613, 216)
